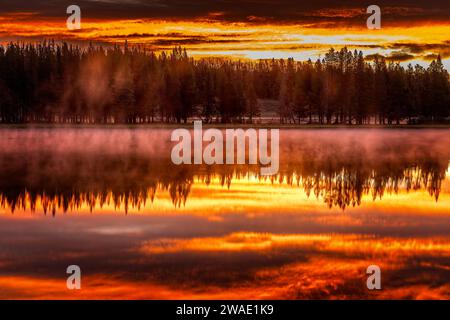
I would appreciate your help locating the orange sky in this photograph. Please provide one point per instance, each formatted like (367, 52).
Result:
(412, 31)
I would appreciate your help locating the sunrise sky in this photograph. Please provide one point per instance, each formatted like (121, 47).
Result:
(412, 30)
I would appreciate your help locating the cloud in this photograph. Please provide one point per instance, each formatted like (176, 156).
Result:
(425, 51)
(319, 12)
(175, 39)
(399, 57)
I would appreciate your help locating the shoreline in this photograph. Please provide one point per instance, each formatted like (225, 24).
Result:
(216, 125)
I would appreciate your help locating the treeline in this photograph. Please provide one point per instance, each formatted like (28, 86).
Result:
(61, 83)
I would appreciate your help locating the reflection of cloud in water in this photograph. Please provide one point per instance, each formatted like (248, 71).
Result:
(268, 256)
(320, 242)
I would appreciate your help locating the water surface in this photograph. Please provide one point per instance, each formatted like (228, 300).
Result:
(110, 201)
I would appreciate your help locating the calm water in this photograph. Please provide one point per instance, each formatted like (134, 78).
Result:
(109, 201)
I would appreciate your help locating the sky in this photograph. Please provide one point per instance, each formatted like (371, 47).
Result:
(412, 31)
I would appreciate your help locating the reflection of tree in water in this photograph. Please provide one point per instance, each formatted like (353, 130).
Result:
(346, 188)
(71, 200)
(340, 186)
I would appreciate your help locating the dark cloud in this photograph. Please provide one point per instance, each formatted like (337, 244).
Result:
(191, 41)
(176, 39)
(417, 48)
(399, 57)
(282, 11)
(426, 51)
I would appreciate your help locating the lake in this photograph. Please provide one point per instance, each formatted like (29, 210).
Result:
(110, 201)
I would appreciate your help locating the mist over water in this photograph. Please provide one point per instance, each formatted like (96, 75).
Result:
(130, 163)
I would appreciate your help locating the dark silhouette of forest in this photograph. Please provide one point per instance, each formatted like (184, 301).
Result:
(62, 83)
